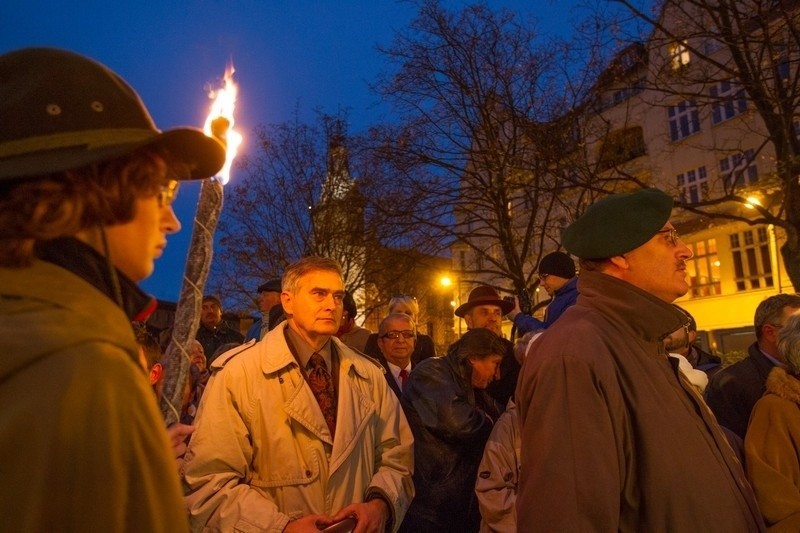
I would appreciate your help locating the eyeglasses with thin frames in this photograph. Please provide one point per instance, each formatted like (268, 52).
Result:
(673, 236)
(406, 334)
(167, 193)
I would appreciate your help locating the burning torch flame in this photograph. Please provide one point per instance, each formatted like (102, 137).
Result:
(220, 122)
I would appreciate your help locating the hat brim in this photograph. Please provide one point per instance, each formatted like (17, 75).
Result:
(464, 308)
(203, 154)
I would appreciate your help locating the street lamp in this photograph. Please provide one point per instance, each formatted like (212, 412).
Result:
(446, 282)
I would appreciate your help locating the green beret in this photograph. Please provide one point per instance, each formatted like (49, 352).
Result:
(617, 224)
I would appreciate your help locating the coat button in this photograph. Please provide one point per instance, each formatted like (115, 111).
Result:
(308, 473)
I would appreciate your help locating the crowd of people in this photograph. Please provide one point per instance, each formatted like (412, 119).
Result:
(605, 416)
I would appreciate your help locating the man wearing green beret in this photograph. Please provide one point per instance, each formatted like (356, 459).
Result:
(613, 437)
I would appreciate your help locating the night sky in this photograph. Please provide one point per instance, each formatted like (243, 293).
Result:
(315, 54)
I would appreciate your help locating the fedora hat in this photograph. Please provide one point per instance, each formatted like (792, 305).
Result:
(62, 111)
(483, 295)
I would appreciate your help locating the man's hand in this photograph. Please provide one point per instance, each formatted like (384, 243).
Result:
(370, 516)
(517, 309)
(177, 438)
(312, 523)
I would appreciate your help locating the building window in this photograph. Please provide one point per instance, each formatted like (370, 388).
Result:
(728, 101)
(752, 264)
(738, 170)
(621, 146)
(693, 185)
(462, 260)
(703, 269)
(678, 55)
(683, 120)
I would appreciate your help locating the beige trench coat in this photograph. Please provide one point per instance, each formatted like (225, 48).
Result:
(262, 454)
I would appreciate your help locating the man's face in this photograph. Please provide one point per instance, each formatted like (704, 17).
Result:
(677, 341)
(197, 357)
(552, 283)
(210, 314)
(397, 351)
(485, 316)
(659, 266)
(267, 300)
(134, 246)
(316, 308)
(485, 370)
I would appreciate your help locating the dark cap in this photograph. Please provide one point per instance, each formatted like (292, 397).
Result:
(209, 298)
(273, 285)
(557, 264)
(483, 295)
(617, 224)
(62, 111)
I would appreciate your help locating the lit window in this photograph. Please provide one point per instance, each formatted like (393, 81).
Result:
(693, 185)
(703, 269)
(738, 170)
(752, 264)
(728, 100)
(683, 120)
(678, 55)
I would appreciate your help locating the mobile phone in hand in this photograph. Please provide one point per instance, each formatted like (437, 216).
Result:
(345, 526)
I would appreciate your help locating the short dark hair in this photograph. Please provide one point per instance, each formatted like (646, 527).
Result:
(480, 343)
(150, 347)
(349, 304)
(770, 310)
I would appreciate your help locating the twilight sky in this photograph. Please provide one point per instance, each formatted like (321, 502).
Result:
(315, 54)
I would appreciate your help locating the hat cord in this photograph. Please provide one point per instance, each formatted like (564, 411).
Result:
(112, 272)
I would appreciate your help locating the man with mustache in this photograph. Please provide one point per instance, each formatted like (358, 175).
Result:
(613, 437)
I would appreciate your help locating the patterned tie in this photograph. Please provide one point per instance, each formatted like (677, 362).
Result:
(322, 386)
(403, 378)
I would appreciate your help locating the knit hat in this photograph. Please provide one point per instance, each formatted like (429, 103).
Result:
(61, 111)
(557, 264)
(618, 224)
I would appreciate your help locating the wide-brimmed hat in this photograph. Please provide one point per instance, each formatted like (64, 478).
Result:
(618, 224)
(60, 111)
(483, 295)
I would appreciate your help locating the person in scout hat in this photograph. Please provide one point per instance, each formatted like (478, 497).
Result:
(86, 187)
(485, 309)
(613, 437)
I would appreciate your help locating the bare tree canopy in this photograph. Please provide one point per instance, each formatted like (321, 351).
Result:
(730, 58)
(481, 136)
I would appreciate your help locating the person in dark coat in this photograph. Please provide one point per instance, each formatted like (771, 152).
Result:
(733, 391)
(396, 336)
(213, 331)
(485, 309)
(451, 416)
(423, 346)
(614, 438)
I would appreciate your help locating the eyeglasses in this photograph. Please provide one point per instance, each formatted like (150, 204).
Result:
(167, 193)
(673, 235)
(406, 334)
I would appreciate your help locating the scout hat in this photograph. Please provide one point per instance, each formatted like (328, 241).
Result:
(60, 111)
(617, 224)
(483, 295)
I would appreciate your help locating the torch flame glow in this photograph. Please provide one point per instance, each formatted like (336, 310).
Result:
(224, 102)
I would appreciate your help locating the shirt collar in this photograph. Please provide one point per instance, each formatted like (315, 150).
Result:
(303, 351)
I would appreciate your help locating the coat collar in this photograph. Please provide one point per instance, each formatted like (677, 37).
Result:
(276, 355)
(782, 384)
(649, 317)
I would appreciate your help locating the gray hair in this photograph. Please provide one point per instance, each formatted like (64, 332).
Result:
(789, 343)
(304, 266)
(396, 316)
(770, 311)
(408, 301)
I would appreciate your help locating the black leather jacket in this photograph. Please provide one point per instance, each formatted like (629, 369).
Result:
(451, 422)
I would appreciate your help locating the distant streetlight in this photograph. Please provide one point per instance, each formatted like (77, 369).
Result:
(445, 281)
